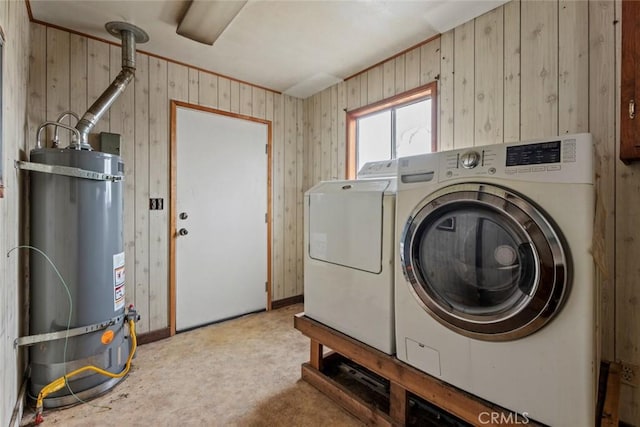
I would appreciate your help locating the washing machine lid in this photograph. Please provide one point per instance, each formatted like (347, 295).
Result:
(345, 223)
(485, 262)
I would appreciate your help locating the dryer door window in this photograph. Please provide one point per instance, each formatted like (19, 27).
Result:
(484, 261)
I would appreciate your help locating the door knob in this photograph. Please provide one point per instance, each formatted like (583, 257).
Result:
(183, 215)
(183, 232)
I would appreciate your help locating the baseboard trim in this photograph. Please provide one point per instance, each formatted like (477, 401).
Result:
(298, 299)
(152, 336)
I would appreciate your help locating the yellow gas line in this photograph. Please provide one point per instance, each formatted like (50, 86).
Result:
(59, 383)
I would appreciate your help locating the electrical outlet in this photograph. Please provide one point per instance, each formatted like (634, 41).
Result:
(629, 374)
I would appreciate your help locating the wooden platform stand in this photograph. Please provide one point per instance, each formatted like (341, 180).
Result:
(403, 379)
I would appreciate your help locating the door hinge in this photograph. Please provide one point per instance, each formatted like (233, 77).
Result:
(266, 217)
(266, 148)
(266, 286)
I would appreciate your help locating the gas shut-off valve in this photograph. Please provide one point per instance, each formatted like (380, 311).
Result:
(132, 314)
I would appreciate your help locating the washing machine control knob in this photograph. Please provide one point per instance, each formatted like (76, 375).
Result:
(470, 159)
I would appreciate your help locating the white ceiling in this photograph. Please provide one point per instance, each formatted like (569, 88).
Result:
(298, 47)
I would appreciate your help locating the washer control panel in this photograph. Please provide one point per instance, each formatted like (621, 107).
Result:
(567, 158)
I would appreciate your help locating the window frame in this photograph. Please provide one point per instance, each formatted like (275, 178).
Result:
(428, 91)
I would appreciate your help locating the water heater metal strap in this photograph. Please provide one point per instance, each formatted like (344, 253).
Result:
(67, 171)
(34, 339)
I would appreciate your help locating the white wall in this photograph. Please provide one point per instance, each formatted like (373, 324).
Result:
(15, 24)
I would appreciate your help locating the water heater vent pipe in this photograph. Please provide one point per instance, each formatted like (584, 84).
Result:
(129, 34)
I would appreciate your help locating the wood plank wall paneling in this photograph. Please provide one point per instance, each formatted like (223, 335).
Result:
(341, 130)
(489, 80)
(208, 90)
(316, 140)
(178, 78)
(98, 78)
(573, 65)
(625, 310)
(246, 100)
(627, 295)
(292, 188)
(194, 83)
(511, 110)
(37, 81)
(141, 282)
(388, 78)
(375, 84)
(412, 64)
(224, 94)
(353, 92)
(277, 258)
(399, 77)
(158, 188)
(539, 62)
(299, 163)
(234, 95)
(429, 62)
(364, 85)
(335, 141)
(464, 85)
(58, 90)
(290, 197)
(78, 77)
(306, 106)
(602, 127)
(258, 103)
(505, 78)
(325, 134)
(445, 93)
(18, 132)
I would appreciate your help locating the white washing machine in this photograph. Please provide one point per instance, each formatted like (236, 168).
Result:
(494, 276)
(349, 255)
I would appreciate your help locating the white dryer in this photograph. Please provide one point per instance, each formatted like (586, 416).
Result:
(348, 265)
(494, 276)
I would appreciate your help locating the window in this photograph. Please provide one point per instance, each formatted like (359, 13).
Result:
(401, 126)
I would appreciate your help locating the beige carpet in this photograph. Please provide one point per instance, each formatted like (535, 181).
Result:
(243, 372)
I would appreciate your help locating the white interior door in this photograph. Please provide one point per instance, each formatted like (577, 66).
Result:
(221, 203)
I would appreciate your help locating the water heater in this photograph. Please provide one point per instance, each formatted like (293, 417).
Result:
(78, 346)
(78, 222)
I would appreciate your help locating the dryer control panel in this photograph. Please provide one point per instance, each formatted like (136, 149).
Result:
(379, 169)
